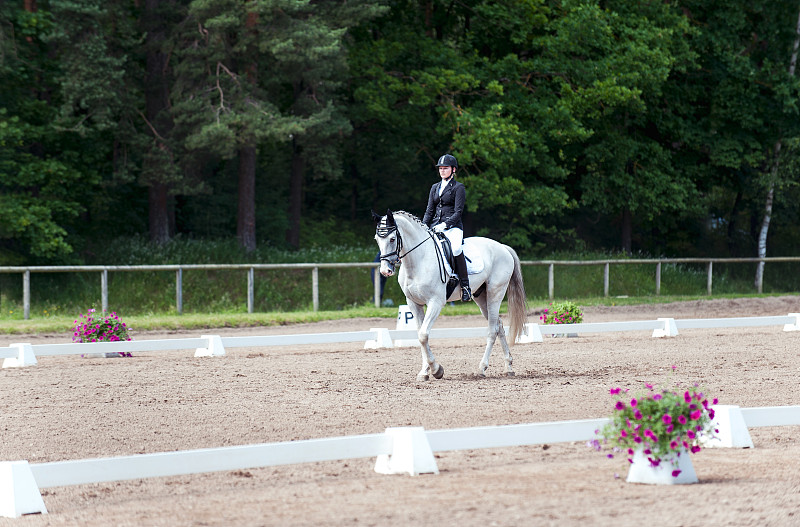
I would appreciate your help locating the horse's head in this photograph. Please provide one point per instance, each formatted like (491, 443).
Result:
(389, 242)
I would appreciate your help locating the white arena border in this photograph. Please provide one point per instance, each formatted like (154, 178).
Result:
(23, 354)
(404, 450)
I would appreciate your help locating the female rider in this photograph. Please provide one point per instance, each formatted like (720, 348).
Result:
(444, 210)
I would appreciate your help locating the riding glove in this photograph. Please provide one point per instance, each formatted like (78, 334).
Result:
(439, 227)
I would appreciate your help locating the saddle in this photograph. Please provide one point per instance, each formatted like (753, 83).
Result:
(447, 250)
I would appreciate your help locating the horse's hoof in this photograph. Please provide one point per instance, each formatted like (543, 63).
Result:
(440, 372)
(422, 377)
(510, 374)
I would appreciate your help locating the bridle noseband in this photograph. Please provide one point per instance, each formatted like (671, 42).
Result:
(393, 258)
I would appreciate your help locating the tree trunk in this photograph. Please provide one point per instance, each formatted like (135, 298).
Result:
(295, 196)
(159, 122)
(158, 213)
(246, 216)
(246, 219)
(353, 193)
(773, 178)
(428, 19)
(762, 235)
(627, 231)
(732, 224)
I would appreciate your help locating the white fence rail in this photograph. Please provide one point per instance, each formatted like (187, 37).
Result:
(250, 269)
(23, 354)
(99, 470)
(398, 450)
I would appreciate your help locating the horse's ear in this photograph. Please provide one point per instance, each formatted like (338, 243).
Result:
(375, 217)
(390, 218)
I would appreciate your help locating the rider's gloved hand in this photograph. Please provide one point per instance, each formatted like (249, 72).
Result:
(439, 227)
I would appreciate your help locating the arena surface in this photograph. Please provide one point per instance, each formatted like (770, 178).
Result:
(73, 408)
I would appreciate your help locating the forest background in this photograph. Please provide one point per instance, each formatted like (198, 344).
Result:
(661, 128)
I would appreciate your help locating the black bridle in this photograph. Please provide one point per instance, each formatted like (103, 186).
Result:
(393, 258)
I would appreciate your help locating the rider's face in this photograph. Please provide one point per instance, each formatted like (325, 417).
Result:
(444, 172)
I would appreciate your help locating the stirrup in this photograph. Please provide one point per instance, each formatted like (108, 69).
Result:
(466, 293)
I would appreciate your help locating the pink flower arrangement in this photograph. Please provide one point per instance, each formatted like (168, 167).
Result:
(90, 328)
(663, 423)
(562, 313)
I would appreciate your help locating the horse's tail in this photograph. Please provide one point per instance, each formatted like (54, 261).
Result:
(517, 301)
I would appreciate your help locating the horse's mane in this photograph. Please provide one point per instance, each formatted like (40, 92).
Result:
(411, 217)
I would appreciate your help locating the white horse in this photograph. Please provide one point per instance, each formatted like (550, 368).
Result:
(403, 238)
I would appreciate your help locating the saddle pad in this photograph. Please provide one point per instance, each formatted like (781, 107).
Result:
(474, 257)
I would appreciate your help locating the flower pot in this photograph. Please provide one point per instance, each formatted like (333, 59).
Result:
(108, 355)
(642, 471)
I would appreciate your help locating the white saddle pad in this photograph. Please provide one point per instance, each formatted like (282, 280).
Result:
(473, 255)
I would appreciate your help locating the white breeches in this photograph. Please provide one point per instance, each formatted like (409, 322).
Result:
(456, 237)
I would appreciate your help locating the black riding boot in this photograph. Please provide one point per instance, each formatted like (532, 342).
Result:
(463, 277)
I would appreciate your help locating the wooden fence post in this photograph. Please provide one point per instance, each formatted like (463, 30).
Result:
(315, 288)
(376, 285)
(179, 291)
(251, 278)
(658, 278)
(104, 290)
(26, 294)
(708, 279)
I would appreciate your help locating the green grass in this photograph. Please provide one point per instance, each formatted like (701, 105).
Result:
(146, 299)
(200, 321)
(153, 321)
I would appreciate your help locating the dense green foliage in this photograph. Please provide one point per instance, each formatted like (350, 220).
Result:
(604, 125)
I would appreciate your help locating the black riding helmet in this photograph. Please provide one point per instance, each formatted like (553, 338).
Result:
(447, 161)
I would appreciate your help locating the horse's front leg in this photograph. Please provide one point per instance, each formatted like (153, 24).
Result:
(429, 364)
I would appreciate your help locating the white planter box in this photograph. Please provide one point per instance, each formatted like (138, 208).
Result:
(642, 471)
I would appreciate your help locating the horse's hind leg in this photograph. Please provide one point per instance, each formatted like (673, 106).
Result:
(491, 334)
(490, 307)
(506, 351)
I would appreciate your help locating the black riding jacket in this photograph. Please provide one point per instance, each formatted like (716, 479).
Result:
(449, 207)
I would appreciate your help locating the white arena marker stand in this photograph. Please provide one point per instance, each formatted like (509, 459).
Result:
(532, 334)
(382, 339)
(411, 453)
(214, 349)
(733, 432)
(796, 325)
(670, 328)
(26, 357)
(406, 322)
(19, 493)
